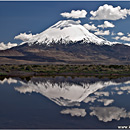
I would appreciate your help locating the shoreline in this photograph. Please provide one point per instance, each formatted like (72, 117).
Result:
(64, 70)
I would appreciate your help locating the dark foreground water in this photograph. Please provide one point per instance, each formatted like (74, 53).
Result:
(79, 102)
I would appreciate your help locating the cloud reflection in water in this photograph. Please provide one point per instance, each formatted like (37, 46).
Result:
(70, 95)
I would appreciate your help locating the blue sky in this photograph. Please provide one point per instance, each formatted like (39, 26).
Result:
(35, 17)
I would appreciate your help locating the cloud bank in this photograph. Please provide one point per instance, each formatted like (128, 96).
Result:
(106, 114)
(24, 37)
(4, 46)
(124, 38)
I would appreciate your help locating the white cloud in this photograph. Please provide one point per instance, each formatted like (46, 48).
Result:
(108, 12)
(128, 34)
(124, 38)
(106, 101)
(75, 14)
(106, 114)
(116, 38)
(128, 11)
(90, 27)
(106, 25)
(74, 112)
(24, 37)
(120, 92)
(78, 21)
(125, 88)
(102, 93)
(89, 99)
(116, 88)
(4, 46)
(120, 34)
(101, 32)
(113, 34)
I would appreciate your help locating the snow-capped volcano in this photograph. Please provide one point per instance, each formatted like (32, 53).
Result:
(67, 31)
(66, 42)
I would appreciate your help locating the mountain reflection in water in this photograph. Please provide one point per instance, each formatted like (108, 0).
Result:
(80, 96)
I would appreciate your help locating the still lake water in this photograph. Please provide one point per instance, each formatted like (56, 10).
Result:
(64, 102)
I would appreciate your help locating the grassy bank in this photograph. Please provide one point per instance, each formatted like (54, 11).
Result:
(30, 70)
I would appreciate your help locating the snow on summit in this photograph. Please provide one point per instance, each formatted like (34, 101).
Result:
(66, 31)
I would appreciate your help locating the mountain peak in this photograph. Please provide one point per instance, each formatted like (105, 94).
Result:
(64, 23)
(67, 31)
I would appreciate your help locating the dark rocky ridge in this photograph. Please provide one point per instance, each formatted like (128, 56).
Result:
(73, 53)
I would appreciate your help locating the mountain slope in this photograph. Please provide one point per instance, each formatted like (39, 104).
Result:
(67, 54)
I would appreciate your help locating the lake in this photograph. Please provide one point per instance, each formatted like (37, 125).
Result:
(64, 102)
